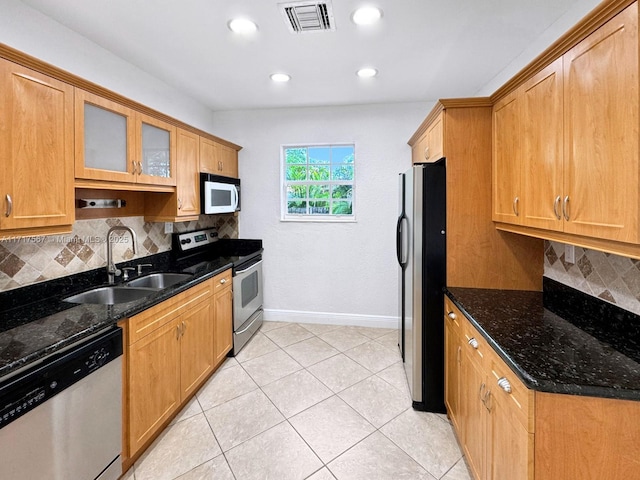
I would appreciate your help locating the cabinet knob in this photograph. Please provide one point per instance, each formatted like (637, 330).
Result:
(515, 206)
(452, 315)
(9, 206)
(473, 342)
(556, 204)
(504, 384)
(223, 281)
(565, 208)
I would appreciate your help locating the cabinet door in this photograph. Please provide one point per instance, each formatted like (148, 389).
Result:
(473, 415)
(209, 156)
(510, 446)
(36, 147)
(223, 333)
(154, 382)
(453, 353)
(542, 149)
(196, 350)
(188, 178)
(601, 129)
(228, 161)
(105, 139)
(156, 154)
(507, 200)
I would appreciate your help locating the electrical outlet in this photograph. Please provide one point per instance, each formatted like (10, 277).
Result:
(168, 227)
(570, 254)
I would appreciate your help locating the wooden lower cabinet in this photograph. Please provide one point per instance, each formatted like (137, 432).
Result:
(453, 357)
(494, 427)
(223, 313)
(170, 351)
(510, 432)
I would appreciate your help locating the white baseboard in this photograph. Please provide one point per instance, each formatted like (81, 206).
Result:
(347, 319)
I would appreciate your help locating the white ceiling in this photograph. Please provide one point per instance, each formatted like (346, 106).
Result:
(423, 49)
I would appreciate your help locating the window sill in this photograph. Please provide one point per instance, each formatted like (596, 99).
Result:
(318, 219)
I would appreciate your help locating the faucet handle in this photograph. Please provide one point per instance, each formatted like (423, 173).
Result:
(125, 272)
(142, 265)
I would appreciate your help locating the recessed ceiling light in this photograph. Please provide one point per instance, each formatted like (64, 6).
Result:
(366, 15)
(280, 77)
(367, 72)
(242, 26)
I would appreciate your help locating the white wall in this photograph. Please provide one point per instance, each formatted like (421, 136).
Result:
(31, 32)
(346, 269)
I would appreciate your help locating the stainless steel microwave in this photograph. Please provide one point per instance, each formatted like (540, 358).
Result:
(219, 194)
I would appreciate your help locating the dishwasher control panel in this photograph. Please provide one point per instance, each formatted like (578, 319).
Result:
(28, 389)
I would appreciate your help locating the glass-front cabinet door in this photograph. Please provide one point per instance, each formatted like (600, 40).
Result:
(156, 155)
(104, 140)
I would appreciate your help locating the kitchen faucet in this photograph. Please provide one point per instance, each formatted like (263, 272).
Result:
(112, 271)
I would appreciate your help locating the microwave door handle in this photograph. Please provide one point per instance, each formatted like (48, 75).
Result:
(235, 198)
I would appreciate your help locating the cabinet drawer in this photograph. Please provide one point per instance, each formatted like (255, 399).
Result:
(222, 281)
(510, 392)
(474, 344)
(453, 316)
(146, 322)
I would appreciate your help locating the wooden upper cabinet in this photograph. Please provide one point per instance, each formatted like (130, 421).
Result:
(601, 128)
(507, 163)
(541, 149)
(114, 143)
(430, 146)
(156, 152)
(188, 176)
(217, 158)
(105, 140)
(36, 147)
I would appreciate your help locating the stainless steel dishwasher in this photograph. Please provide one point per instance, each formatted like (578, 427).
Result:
(62, 419)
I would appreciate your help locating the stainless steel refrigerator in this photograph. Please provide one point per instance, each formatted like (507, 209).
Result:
(421, 252)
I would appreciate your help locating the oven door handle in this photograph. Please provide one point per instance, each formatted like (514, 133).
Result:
(248, 268)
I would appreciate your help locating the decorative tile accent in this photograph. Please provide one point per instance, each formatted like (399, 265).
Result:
(29, 260)
(612, 278)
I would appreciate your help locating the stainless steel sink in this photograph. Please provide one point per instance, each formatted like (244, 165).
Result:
(110, 295)
(158, 280)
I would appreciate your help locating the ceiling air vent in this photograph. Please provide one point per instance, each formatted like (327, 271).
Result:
(302, 17)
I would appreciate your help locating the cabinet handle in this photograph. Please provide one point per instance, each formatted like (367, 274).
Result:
(184, 328)
(426, 153)
(488, 404)
(473, 342)
(452, 315)
(556, 204)
(179, 204)
(139, 168)
(482, 387)
(565, 208)
(458, 354)
(515, 206)
(177, 332)
(9, 206)
(504, 384)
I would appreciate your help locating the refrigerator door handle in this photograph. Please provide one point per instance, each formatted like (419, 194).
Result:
(399, 240)
(400, 253)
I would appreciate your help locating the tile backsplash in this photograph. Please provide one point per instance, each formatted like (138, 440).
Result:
(30, 260)
(609, 277)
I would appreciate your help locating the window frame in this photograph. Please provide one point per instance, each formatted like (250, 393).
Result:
(306, 217)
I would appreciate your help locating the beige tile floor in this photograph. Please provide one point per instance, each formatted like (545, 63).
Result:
(304, 401)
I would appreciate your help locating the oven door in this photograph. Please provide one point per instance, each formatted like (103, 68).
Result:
(247, 291)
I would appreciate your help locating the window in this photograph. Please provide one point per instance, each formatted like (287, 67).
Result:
(318, 182)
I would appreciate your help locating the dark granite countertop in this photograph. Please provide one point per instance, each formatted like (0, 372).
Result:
(590, 350)
(35, 321)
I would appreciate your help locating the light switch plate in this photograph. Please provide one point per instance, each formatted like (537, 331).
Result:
(168, 227)
(570, 254)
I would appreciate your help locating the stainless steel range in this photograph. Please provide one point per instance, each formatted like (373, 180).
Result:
(199, 249)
